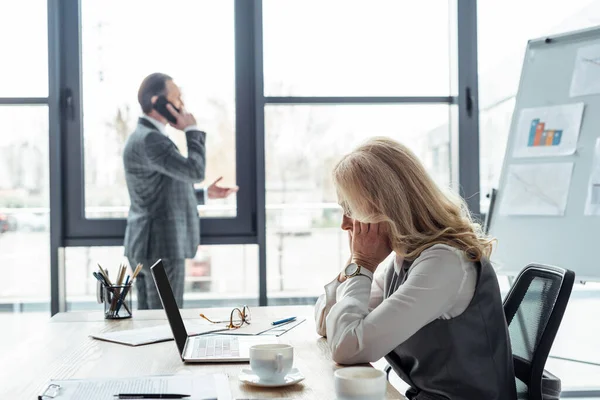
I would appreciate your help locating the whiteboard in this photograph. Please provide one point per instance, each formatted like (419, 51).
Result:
(571, 240)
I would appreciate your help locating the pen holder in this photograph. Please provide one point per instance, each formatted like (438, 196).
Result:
(117, 301)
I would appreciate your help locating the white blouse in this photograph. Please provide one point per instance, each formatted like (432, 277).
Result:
(361, 326)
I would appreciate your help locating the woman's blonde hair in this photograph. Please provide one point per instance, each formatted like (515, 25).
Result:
(383, 181)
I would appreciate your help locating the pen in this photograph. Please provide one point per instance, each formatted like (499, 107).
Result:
(123, 294)
(99, 277)
(151, 396)
(283, 321)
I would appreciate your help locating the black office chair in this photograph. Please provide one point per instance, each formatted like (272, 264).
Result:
(534, 308)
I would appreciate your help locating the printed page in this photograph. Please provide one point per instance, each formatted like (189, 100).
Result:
(537, 189)
(548, 131)
(592, 203)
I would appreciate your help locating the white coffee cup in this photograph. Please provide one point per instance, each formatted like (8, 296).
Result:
(271, 362)
(360, 383)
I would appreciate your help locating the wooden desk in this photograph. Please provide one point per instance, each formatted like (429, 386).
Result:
(61, 349)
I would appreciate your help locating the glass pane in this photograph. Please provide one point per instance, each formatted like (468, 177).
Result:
(356, 48)
(494, 126)
(217, 276)
(303, 145)
(24, 48)
(24, 209)
(576, 340)
(500, 59)
(190, 40)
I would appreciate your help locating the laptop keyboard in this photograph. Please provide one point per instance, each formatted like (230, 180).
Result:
(216, 347)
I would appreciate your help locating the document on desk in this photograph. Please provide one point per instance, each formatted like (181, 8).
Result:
(154, 334)
(199, 387)
(279, 330)
(162, 333)
(263, 328)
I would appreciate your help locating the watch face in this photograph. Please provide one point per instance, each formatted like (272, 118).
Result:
(351, 269)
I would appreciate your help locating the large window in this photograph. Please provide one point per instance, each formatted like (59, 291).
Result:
(283, 90)
(356, 48)
(24, 217)
(325, 55)
(108, 49)
(190, 40)
(24, 177)
(24, 49)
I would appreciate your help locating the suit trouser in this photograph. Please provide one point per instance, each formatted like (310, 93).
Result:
(147, 295)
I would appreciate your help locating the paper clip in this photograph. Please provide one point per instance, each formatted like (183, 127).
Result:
(50, 392)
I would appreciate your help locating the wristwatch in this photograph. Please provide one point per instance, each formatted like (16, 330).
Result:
(353, 269)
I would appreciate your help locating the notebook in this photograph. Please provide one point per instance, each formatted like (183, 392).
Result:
(153, 334)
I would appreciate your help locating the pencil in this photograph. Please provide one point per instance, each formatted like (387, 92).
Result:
(104, 274)
(138, 269)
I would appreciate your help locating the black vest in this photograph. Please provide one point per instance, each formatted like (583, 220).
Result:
(463, 358)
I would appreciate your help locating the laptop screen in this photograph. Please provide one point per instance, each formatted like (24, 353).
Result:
(170, 305)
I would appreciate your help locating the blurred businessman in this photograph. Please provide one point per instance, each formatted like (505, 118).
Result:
(163, 219)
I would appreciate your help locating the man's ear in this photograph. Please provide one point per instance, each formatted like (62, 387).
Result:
(153, 99)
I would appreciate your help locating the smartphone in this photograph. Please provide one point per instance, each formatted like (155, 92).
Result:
(161, 107)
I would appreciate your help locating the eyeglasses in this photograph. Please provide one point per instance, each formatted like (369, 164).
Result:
(51, 391)
(238, 317)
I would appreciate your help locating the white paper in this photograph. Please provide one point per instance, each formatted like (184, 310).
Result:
(200, 387)
(263, 328)
(283, 328)
(548, 131)
(586, 74)
(163, 333)
(536, 189)
(154, 334)
(592, 203)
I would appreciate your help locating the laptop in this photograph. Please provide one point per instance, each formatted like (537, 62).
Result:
(203, 348)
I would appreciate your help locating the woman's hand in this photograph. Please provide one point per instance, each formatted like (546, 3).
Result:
(370, 245)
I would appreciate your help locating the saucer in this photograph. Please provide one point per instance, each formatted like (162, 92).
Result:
(250, 378)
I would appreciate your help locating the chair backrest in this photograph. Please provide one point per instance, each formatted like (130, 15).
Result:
(534, 308)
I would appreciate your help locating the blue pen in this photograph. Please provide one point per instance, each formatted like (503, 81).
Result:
(283, 321)
(122, 298)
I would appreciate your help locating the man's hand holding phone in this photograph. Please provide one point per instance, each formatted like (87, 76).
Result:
(183, 118)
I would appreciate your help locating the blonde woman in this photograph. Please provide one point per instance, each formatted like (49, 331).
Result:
(435, 310)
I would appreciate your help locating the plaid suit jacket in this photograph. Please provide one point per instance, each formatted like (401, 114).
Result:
(163, 218)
